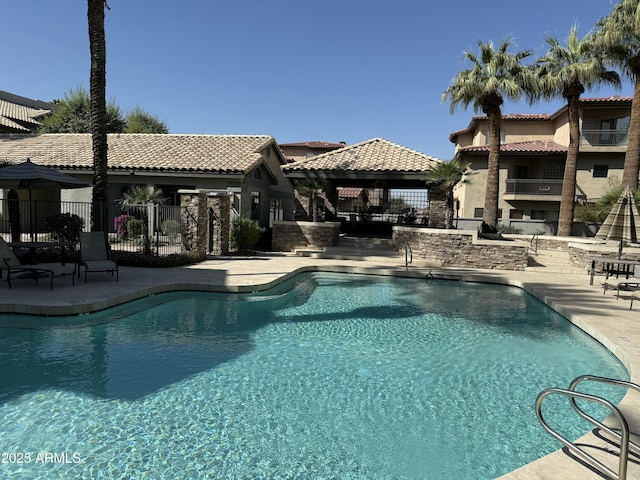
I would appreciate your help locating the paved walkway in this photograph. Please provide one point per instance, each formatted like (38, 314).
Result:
(554, 281)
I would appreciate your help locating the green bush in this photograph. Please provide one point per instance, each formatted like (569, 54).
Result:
(170, 228)
(134, 228)
(244, 234)
(131, 259)
(65, 227)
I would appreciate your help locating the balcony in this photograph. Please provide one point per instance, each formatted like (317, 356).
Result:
(604, 138)
(533, 189)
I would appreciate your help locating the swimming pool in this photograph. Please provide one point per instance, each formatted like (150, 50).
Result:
(327, 376)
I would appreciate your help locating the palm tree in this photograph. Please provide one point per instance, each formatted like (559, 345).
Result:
(620, 35)
(140, 197)
(312, 188)
(445, 176)
(565, 71)
(97, 87)
(493, 76)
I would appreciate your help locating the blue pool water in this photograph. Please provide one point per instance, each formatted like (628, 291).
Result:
(329, 376)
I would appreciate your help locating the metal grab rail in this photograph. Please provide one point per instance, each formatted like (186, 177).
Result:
(610, 381)
(624, 445)
(535, 245)
(408, 255)
(623, 438)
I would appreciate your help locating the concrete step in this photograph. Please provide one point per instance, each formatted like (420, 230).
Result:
(552, 261)
(357, 248)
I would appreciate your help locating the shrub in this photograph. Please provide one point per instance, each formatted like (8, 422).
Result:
(120, 226)
(170, 228)
(134, 227)
(244, 234)
(509, 229)
(65, 227)
(131, 259)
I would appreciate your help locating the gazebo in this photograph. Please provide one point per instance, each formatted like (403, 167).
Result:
(389, 176)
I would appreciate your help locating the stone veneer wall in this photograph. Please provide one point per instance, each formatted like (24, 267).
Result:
(195, 221)
(288, 236)
(220, 205)
(578, 253)
(461, 248)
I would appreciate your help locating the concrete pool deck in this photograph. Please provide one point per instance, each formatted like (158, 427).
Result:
(562, 287)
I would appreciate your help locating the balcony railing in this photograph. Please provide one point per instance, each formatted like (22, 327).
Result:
(599, 138)
(534, 187)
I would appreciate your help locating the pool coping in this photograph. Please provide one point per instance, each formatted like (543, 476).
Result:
(606, 319)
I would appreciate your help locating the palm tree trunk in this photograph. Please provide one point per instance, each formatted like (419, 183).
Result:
(632, 156)
(490, 214)
(567, 200)
(97, 83)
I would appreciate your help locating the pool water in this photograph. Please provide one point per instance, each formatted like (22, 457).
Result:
(327, 376)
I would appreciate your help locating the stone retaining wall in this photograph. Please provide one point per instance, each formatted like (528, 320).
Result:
(288, 236)
(579, 252)
(461, 248)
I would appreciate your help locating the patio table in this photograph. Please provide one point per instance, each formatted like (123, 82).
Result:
(612, 266)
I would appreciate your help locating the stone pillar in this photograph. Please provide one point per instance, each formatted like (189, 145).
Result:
(194, 220)
(219, 211)
(437, 209)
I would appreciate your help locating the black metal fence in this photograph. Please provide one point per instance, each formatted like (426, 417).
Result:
(131, 226)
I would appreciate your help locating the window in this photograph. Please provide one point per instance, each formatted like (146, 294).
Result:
(600, 171)
(520, 171)
(255, 206)
(479, 212)
(553, 172)
(515, 214)
(276, 210)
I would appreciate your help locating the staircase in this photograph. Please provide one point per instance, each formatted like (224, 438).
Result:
(357, 248)
(552, 261)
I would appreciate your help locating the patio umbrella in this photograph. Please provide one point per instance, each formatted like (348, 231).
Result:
(622, 222)
(30, 176)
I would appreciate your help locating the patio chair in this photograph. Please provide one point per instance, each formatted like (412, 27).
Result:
(94, 255)
(12, 265)
(630, 285)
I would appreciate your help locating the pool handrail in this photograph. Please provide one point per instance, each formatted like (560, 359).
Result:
(579, 452)
(572, 394)
(610, 381)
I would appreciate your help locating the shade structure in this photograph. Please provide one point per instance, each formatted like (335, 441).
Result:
(30, 176)
(621, 224)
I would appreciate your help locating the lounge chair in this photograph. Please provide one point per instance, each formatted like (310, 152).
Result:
(94, 254)
(629, 285)
(34, 272)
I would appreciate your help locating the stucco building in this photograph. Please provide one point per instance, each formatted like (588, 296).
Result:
(532, 156)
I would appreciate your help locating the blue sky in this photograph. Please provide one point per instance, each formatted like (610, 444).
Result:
(298, 70)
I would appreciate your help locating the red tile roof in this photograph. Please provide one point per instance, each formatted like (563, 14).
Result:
(316, 144)
(534, 146)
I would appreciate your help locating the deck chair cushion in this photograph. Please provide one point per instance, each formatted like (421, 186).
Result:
(94, 254)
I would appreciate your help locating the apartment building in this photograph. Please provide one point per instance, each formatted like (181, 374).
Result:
(532, 156)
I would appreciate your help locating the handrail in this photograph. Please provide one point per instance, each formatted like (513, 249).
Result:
(408, 255)
(579, 452)
(623, 438)
(535, 249)
(611, 381)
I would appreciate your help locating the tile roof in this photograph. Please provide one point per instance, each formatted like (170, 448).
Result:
(316, 145)
(375, 155)
(615, 99)
(138, 151)
(534, 146)
(16, 116)
(349, 192)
